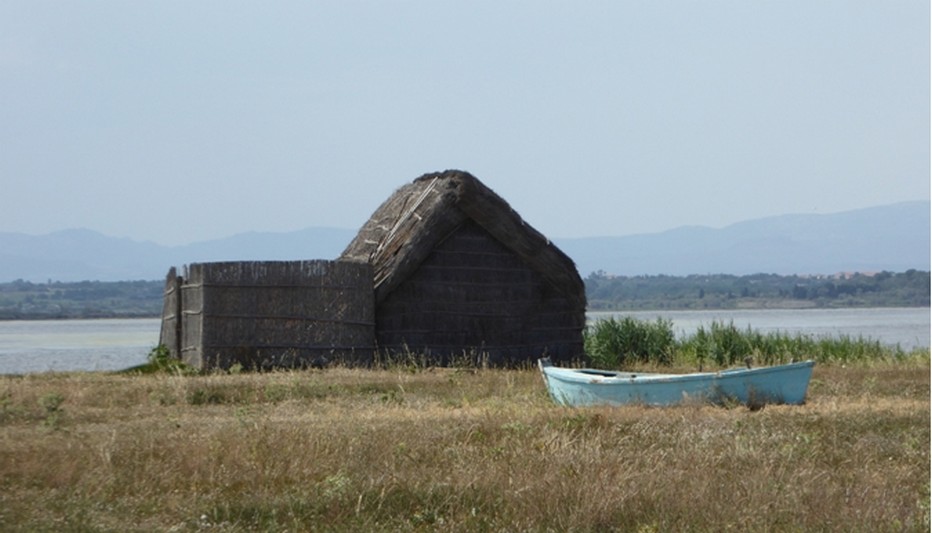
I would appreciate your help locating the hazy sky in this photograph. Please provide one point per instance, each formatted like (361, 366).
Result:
(183, 121)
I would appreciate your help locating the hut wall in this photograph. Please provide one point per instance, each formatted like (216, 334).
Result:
(474, 297)
(170, 334)
(274, 314)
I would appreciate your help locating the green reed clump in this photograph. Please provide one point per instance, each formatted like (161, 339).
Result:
(613, 343)
(722, 344)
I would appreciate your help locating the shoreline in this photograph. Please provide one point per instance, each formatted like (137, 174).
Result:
(798, 306)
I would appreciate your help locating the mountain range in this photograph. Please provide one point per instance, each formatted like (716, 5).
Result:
(893, 237)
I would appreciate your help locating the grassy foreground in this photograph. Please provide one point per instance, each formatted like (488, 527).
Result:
(400, 450)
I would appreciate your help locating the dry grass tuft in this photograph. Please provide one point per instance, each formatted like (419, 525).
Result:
(396, 450)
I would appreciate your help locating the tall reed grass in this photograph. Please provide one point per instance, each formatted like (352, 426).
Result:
(614, 343)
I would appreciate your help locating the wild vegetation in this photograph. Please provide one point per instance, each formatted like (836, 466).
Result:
(616, 343)
(407, 448)
(95, 299)
(722, 291)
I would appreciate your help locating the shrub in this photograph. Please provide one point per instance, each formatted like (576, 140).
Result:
(160, 360)
(51, 405)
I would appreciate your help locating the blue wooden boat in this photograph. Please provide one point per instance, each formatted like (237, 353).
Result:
(753, 387)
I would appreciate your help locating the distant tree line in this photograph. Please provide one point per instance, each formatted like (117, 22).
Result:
(97, 299)
(84, 299)
(723, 291)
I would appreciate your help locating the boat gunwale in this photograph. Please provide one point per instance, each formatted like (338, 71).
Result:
(592, 376)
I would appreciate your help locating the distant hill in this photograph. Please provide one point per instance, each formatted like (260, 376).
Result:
(895, 238)
(77, 255)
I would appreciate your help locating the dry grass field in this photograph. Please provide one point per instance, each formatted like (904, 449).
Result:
(447, 450)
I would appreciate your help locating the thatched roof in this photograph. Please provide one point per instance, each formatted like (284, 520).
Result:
(405, 229)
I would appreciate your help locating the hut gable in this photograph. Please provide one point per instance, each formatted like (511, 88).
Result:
(457, 270)
(406, 228)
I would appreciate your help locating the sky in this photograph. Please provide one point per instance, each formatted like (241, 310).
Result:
(176, 121)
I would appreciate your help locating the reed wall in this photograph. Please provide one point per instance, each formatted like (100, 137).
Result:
(275, 314)
(474, 297)
(170, 334)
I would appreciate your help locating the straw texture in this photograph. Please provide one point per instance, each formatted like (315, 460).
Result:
(457, 273)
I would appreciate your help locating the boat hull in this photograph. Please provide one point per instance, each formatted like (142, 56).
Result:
(784, 384)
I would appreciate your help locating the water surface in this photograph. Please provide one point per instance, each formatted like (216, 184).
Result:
(64, 345)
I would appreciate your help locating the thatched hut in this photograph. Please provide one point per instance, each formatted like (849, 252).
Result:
(458, 273)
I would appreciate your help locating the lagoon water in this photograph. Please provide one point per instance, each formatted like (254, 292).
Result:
(28, 346)
(64, 345)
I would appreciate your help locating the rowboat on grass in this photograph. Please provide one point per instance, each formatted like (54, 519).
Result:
(753, 387)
